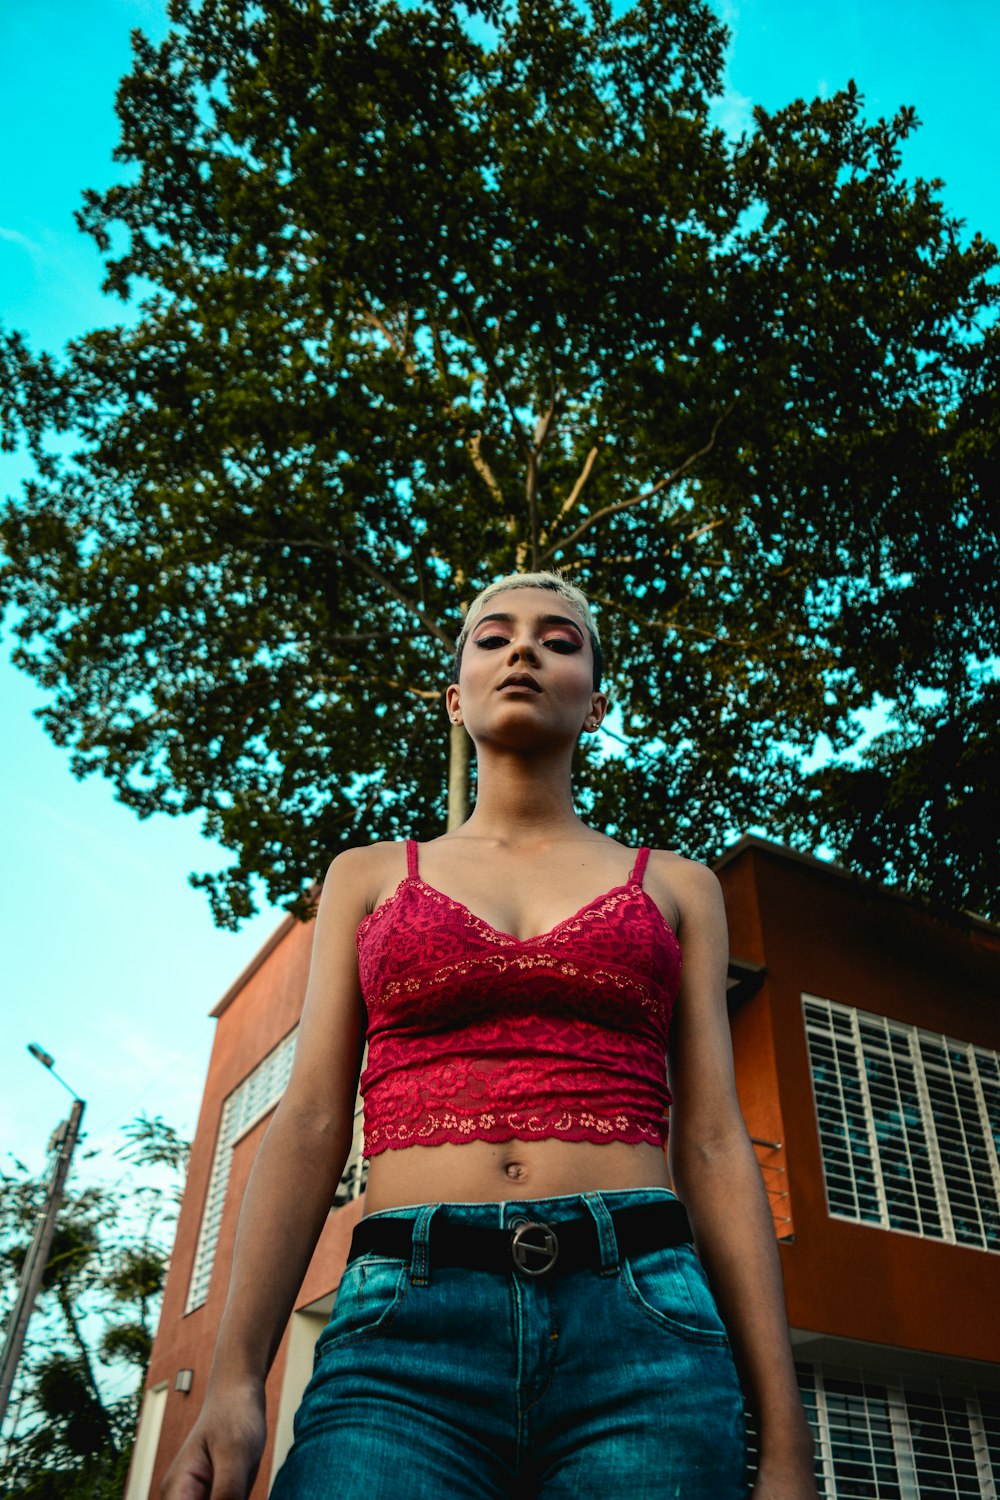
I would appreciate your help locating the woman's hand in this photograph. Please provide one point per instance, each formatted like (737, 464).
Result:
(287, 1201)
(715, 1173)
(788, 1475)
(220, 1457)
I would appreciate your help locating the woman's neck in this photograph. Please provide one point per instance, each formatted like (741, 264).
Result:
(520, 800)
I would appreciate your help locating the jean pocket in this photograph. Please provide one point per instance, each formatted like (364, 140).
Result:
(368, 1298)
(670, 1288)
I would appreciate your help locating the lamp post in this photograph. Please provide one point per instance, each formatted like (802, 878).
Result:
(64, 1140)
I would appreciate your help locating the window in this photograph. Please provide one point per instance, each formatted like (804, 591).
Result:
(892, 1437)
(248, 1103)
(909, 1125)
(354, 1178)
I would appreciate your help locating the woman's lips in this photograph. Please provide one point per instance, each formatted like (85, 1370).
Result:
(519, 680)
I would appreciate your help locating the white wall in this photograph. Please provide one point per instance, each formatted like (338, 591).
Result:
(147, 1441)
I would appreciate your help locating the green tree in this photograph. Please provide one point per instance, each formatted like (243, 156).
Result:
(96, 1316)
(431, 293)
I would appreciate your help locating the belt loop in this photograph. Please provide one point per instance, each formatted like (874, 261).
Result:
(607, 1240)
(420, 1262)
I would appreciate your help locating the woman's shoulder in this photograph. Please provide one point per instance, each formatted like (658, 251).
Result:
(674, 866)
(368, 856)
(368, 869)
(681, 882)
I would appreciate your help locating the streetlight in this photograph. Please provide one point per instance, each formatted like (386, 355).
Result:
(48, 1061)
(64, 1139)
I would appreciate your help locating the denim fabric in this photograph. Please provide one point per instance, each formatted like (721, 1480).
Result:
(456, 1384)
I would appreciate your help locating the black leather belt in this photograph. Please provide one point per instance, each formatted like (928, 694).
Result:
(527, 1245)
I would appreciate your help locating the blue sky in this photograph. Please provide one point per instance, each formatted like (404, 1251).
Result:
(111, 960)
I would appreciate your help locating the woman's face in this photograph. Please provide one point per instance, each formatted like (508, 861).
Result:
(527, 671)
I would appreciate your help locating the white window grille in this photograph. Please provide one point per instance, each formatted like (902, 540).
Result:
(909, 1125)
(355, 1175)
(246, 1105)
(894, 1437)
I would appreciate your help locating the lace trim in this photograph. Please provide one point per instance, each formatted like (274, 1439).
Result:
(454, 1128)
(500, 964)
(591, 911)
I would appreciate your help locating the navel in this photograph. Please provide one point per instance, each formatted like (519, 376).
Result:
(514, 1170)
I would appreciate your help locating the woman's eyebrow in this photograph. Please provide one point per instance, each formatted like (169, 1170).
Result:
(562, 620)
(542, 620)
(504, 619)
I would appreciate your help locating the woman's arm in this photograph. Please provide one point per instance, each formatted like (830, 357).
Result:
(715, 1172)
(288, 1197)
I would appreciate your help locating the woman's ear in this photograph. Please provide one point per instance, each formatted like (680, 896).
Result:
(452, 703)
(598, 709)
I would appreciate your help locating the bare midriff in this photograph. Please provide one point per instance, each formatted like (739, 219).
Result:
(484, 1172)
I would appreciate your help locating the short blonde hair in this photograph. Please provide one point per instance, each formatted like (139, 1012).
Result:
(556, 584)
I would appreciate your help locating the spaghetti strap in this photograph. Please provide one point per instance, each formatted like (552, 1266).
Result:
(411, 859)
(640, 868)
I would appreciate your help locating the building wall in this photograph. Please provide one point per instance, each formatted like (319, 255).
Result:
(260, 1010)
(822, 933)
(752, 1027)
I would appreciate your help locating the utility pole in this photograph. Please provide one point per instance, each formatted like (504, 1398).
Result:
(64, 1138)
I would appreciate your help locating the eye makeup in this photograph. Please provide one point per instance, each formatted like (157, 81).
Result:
(571, 633)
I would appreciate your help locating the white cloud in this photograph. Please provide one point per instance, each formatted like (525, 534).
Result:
(15, 237)
(732, 112)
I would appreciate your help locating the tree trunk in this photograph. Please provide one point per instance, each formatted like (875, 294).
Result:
(66, 1308)
(458, 777)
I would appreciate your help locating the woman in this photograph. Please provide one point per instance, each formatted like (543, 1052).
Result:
(523, 1312)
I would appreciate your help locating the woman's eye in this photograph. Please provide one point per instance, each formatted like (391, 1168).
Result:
(559, 643)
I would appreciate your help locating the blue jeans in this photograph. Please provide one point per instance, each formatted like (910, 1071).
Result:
(455, 1384)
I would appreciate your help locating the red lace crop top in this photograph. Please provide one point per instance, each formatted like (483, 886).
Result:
(475, 1035)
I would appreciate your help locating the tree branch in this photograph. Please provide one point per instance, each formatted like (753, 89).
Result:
(391, 588)
(532, 447)
(482, 468)
(633, 615)
(358, 639)
(685, 629)
(72, 1323)
(619, 505)
(441, 361)
(575, 492)
(491, 365)
(431, 695)
(542, 428)
(369, 569)
(473, 444)
(693, 536)
(372, 317)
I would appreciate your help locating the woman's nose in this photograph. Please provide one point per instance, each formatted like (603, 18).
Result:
(522, 649)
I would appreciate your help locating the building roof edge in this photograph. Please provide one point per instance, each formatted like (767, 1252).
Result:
(753, 841)
(277, 936)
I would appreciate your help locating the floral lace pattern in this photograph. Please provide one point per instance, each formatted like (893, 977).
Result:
(474, 1034)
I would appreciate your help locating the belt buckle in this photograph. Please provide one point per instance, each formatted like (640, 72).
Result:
(523, 1248)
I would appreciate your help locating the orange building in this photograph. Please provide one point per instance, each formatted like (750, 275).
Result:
(866, 1035)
